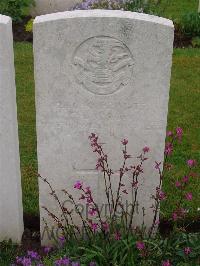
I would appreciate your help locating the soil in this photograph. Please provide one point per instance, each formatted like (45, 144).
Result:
(20, 35)
(31, 236)
(19, 32)
(193, 226)
(180, 40)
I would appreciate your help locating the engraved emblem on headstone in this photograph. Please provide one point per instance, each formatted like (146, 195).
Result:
(103, 65)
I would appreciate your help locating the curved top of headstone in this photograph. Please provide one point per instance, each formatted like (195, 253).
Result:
(104, 13)
(4, 19)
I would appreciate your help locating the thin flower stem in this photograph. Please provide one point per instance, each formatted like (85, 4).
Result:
(56, 198)
(119, 185)
(79, 213)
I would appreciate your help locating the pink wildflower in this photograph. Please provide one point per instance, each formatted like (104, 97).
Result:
(179, 214)
(105, 226)
(169, 133)
(166, 263)
(174, 216)
(89, 199)
(146, 149)
(117, 236)
(191, 163)
(78, 185)
(94, 226)
(160, 194)
(179, 133)
(92, 212)
(185, 179)
(124, 142)
(188, 196)
(178, 184)
(140, 245)
(187, 250)
(168, 148)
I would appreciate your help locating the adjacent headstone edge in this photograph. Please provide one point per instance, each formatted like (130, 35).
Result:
(4, 19)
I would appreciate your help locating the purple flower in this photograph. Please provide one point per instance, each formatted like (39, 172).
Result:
(85, 5)
(61, 240)
(33, 255)
(76, 263)
(62, 261)
(47, 249)
(140, 245)
(24, 261)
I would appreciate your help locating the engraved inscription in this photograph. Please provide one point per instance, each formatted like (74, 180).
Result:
(103, 65)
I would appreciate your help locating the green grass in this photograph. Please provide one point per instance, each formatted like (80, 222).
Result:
(8, 252)
(172, 9)
(176, 8)
(26, 119)
(184, 109)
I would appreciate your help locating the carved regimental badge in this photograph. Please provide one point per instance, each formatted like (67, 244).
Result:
(103, 65)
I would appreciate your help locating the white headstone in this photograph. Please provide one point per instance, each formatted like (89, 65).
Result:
(11, 212)
(106, 72)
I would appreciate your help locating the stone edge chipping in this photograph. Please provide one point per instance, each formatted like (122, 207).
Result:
(98, 13)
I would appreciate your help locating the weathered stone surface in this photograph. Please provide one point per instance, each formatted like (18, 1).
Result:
(106, 72)
(43, 7)
(11, 213)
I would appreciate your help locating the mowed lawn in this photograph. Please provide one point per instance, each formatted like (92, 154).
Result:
(184, 108)
(174, 9)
